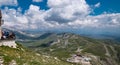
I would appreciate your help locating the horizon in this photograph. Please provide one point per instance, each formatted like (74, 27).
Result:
(77, 16)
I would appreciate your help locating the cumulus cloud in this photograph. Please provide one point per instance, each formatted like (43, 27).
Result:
(100, 21)
(67, 9)
(33, 19)
(8, 2)
(97, 5)
(63, 15)
(37, 0)
(17, 21)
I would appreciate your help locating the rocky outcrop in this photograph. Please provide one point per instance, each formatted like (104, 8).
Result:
(84, 60)
(1, 60)
(13, 62)
(10, 43)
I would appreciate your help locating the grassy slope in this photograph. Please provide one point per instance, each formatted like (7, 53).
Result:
(89, 45)
(93, 46)
(23, 56)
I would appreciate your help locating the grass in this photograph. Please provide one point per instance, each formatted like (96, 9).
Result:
(24, 56)
(62, 50)
(95, 49)
(110, 50)
(117, 48)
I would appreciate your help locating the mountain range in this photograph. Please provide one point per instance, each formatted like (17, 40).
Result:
(62, 49)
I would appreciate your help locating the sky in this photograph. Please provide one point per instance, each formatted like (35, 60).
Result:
(77, 16)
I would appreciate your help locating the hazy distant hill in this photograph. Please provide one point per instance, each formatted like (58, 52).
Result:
(65, 45)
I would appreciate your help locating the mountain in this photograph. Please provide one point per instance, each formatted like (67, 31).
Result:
(35, 35)
(24, 56)
(71, 47)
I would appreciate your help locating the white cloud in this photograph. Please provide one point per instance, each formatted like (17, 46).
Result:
(17, 21)
(97, 5)
(68, 8)
(65, 10)
(100, 21)
(8, 2)
(62, 15)
(32, 19)
(58, 3)
(33, 7)
(37, 0)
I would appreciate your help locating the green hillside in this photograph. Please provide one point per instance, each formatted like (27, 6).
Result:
(65, 44)
(23, 56)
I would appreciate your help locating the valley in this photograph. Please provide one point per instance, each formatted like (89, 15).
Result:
(68, 46)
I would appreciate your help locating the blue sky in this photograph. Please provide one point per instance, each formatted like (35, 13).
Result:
(109, 6)
(78, 16)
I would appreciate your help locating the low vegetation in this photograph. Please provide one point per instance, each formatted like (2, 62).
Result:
(24, 56)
